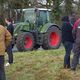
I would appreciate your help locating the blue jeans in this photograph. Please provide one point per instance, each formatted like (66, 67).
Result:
(68, 47)
(2, 71)
(10, 54)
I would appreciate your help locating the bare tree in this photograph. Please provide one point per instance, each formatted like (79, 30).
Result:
(68, 7)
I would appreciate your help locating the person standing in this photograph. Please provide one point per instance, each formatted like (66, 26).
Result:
(76, 46)
(5, 38)
(67, 40)
(10, 28)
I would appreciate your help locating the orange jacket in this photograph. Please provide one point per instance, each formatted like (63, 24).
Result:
(5, 38)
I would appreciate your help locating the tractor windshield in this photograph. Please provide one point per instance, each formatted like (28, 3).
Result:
(29, 16)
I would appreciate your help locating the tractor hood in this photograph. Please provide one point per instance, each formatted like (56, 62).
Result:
(20, 23)
(18, 27)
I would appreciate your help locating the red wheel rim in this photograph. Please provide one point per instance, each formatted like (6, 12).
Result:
(28, 42)
(54, 39)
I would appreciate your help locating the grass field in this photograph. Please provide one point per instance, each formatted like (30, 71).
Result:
(40, 65)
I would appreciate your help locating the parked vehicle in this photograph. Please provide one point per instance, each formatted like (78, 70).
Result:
(37, 30)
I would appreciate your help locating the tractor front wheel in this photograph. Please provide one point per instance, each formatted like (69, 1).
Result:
(25, 41)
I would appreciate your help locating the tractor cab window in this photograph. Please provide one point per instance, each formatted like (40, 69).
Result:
(29, 16)
(42, 19)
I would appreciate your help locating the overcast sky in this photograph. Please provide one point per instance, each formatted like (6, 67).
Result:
(76, 0)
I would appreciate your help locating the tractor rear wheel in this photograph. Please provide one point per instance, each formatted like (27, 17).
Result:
(25, 41)
(52, 38)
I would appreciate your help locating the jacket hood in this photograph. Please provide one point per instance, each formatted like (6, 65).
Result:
(65, 18)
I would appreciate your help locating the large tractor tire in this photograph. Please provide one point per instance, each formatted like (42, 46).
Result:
(52, 38)
(25, 41)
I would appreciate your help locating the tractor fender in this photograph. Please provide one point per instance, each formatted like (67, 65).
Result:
(47, 26)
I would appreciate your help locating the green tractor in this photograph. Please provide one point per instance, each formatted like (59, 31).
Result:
(37, 30)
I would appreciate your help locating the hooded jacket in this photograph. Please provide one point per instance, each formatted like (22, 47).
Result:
(66, 30)
(10, 28)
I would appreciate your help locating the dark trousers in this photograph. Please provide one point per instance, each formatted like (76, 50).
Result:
(10, 54)
(2, 71)
(68, 47)
(76, 56)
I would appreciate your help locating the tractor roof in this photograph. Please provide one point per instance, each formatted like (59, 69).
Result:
(44, 9)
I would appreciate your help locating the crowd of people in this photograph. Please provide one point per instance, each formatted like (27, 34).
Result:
(70, 39)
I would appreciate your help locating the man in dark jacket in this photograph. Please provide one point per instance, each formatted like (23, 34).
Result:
(10, 28)
(67, 40)
(76, 46)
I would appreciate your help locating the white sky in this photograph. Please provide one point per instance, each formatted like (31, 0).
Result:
(76, 0)
(43, 1)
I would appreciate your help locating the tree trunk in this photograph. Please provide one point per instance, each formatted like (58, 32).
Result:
(56, 11)
(68, 7)
(78, 8)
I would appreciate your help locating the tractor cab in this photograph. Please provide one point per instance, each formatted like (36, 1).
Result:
(37, 16)
(32, 19)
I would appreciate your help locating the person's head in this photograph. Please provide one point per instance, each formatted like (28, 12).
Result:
(8, 20)
(75, 15)
(65, 18)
